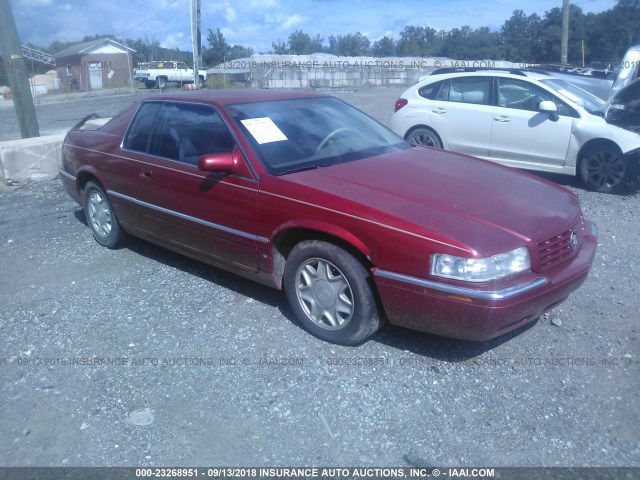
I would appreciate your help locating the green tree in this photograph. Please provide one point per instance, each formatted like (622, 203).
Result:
(218, 51)
(482, 44)
(238, 51)
(456, 45)
(350, 45)
(610, 33)
(385, 47)
(299, 43)
(279, 47)
(551, 35)
(519, 38)
(97, 36)
(317, 44)
(418, 42)
(146, 49)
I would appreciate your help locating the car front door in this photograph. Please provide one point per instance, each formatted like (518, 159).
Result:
(461, 113)
(182, 72)
(522, 135)
(206, 215)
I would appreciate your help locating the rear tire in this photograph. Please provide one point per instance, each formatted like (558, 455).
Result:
(101, 218)
(604, 169)
(330, 292)
(424, 136)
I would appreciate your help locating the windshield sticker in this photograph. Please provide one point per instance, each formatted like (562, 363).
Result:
(264, 130)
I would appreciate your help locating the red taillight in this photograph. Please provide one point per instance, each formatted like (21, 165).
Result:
(401, 102)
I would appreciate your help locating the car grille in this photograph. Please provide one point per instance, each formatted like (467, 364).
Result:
(557, 249)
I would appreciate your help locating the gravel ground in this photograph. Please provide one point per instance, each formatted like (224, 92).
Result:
(215, 371)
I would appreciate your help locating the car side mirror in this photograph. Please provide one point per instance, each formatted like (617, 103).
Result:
(224, 162)
(549, 108)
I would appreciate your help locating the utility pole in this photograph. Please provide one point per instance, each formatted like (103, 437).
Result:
(17, 72)
(564, 47)
(196, 40)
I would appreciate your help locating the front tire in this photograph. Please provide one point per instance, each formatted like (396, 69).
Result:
(424, 136)
(101, 218)
(330, 293)
(149, 84)
(605, 170)
(161, 82)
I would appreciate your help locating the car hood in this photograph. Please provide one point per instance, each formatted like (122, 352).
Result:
(479, 206)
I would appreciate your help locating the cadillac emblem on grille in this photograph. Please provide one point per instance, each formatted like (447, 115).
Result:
(573, 240)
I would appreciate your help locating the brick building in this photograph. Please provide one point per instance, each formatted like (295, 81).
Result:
(96, 64)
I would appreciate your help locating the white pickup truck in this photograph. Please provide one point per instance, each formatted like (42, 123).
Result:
(158, 74)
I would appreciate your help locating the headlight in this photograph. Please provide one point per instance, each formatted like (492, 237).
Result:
(481, 269)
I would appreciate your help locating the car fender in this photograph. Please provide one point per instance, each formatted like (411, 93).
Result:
(324, 228)
(593, 127)
(87, 173)
(627, 141)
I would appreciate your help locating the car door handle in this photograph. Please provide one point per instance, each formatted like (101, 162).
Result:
(439, 110)
(502, 118)
(144, 174)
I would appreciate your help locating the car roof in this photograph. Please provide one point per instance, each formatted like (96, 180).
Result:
(539, 76)
(492, 73)
(232, 96)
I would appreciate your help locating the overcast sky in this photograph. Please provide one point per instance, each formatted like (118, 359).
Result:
(257, 23)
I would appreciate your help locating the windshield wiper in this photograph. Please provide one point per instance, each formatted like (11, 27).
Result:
(304, 169)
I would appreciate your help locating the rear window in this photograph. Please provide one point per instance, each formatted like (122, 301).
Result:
(430, 91)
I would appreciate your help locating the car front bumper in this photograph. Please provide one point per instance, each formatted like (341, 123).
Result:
(470, 314)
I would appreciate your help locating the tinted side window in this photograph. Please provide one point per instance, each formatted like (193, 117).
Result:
(140, 130)
(184, 132)
(474, 90)
(527, 96)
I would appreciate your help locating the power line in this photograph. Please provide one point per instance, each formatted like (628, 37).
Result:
(154, 14)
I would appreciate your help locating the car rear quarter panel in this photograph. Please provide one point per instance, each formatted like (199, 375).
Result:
(84, 157)
(95, 155)
(417, 114)
(83, 148)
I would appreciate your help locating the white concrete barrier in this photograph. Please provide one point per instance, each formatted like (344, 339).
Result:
(34, 159)
(30, 159)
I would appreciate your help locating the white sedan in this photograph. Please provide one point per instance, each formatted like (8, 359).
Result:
(522, 119)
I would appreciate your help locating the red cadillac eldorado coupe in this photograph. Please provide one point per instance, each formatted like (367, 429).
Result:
(305, 193)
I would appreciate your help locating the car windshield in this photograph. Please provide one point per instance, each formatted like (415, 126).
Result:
(305, 133)
(589, 102)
